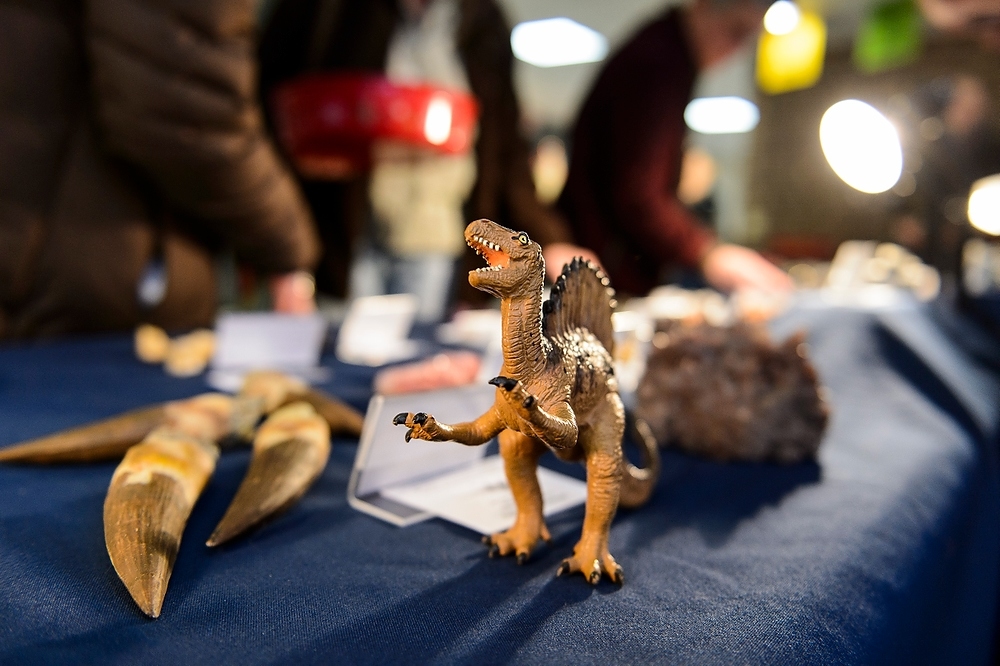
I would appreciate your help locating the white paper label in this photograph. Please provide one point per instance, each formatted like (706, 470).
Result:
(259, 340)
(477, 496)
(375, 330)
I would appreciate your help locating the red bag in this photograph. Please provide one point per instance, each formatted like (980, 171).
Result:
(328, 123)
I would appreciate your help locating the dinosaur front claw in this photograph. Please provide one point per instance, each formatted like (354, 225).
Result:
(516, 395)
(420, 426)
(289, 453)
(506, 383)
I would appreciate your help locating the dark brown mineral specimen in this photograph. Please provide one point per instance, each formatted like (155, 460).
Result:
(731, 394)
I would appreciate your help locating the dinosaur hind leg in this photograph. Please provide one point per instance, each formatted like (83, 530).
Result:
(520, 455)
(601, 441)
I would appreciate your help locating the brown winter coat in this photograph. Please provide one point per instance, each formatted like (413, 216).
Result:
(129, 129)
(330, 35)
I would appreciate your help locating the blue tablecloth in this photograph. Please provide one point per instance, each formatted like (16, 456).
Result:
(886, 551)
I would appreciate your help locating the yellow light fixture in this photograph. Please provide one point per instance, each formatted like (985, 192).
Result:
(792, 60)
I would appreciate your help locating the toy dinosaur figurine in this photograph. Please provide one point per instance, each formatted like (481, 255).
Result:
(557, 391)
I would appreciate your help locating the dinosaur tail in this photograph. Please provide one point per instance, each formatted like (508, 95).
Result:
(582, 297)
(638, 483)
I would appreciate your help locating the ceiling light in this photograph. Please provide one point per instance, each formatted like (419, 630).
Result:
(556, 42)
(782, 18)
(984, 205)
(721, 115)
(862, 146)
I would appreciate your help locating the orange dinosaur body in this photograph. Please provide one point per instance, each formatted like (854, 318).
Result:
(557, 391)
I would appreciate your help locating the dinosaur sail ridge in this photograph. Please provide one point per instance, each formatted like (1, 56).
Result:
(581, 298)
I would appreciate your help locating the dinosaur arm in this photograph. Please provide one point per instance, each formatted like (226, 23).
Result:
(470, 433)
(556, 427)
(554, 424)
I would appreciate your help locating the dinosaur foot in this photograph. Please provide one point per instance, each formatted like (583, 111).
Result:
(421, 426)
(592, 564)
(516, 541)
(516, 395)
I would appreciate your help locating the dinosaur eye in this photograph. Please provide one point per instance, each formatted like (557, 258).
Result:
(522, 238)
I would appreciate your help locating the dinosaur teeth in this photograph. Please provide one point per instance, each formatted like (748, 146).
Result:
(289, 453)
(147, 506)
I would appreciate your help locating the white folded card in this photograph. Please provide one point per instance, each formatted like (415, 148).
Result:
(247, 341)
(376, 329)
(407, 482)
(477, 495)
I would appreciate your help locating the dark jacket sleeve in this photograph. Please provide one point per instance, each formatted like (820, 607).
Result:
(646, 144)
(504, 188)
(175, 86)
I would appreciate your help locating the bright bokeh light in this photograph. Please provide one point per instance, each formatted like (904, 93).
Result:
(721, 115)
(782, 18)
(556, 42)
(437, 123)
(862, 146)
(984, 205)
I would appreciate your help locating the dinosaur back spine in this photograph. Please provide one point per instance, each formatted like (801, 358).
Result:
(582, 297)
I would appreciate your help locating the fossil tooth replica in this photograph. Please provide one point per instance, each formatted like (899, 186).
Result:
(557, 392)
(107, 439)
(153, 491)
(277, 389)
(147, 507)
(170, 451)
(289, 452)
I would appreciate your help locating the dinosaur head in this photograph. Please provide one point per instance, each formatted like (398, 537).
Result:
(514, 262)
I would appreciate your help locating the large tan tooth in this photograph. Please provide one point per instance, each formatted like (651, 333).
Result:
(148, 503)
(342, 419)
(277, 389)
(289, 453)
(107, 439)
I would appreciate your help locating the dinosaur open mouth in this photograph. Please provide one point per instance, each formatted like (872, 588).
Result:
(496, 258)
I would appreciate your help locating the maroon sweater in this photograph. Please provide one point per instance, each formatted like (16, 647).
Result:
(620, 196)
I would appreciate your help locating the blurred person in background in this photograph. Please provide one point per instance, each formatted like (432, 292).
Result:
(976, 19)
(627, 147)
(399, 225)
(131, 145)
(958, 145)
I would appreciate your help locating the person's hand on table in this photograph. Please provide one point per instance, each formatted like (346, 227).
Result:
(293, 293)
(558, 255)
(730, 267)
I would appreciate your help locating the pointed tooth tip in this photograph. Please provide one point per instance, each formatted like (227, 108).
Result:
(149, 594)
(217, 538)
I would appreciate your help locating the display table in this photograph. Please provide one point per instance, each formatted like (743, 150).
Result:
(886, 551)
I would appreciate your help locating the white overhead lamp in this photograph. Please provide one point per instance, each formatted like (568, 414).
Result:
(782, 18)
(721, 115)
(984, 205)
(555, 42)
(862, 146)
